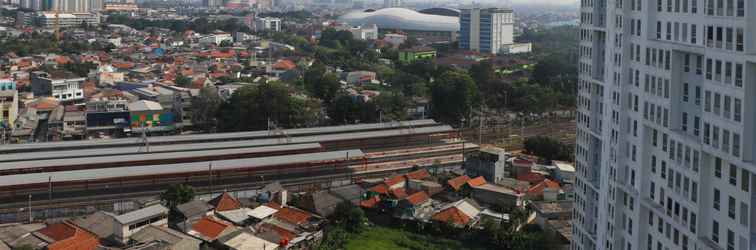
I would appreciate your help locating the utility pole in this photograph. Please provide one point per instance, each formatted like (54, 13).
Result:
(30, 210)
(210, 177)
(480, 129)
(462, 137)
(49, 195)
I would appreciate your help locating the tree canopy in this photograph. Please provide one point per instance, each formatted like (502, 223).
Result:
(251, 107)
(453, 96)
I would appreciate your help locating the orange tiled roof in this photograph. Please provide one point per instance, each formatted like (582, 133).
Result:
(531, 177)
(284, 65)
(225, 202)
(380, 188)
(418, 198)
(370, 203)
(539, 188)
(418, 175)
(477, 181)
(451, 215)
(293, 216)
(209, 228)
(223, 54)
(68, 236)
(399, 193)
(458, 182)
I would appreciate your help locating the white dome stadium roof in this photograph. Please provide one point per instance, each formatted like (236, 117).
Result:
(401, 18)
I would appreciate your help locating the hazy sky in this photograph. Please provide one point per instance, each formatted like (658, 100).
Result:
(544, 1)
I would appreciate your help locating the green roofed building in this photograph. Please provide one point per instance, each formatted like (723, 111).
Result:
(417, 53)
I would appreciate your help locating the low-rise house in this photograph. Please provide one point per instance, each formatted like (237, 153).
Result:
(74, 122)
(61, 85)
(262, 212)
(129, 223)
(489, 162)
(361, 77)
(99, 223)
(155, 237)
(209, 229)
(414, 205)
(8, 109)
(18, 235)
(224, 202)
(239, 217)
(191, 212)
(416, 53)
(497, 195)
(324, 202)
(462, 213)
(458, 182)
(150, 116)
(546, 190)
(241, 240)
(66, 235)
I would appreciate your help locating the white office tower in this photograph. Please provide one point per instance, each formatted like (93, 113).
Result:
(392, 3)
(70, 6)
(665, 141)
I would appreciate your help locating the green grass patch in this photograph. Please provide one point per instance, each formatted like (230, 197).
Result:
(382, 238)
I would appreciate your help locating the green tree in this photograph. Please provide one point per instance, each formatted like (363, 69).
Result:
(177, 194)
(350, 217)
(392, 105)
(453, 96)
(321, 84)
(548, 148)
(409, 84)
(205, 108)
(80, 69)
(252, 107)
(183, 81)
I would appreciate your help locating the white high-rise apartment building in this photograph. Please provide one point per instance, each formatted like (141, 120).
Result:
(665, 142)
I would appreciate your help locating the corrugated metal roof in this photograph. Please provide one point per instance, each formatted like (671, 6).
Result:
(212, 137)
(141, 214)
(228, 144)
(148, 156)
(94, 174)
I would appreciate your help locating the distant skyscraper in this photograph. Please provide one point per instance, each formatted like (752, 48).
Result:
(666, 128)
(392, 3)
(70, 6)
(488, 31)
(213, 3)
(96, 5)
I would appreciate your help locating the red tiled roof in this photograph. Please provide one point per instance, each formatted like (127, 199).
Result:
(225, 202)
(522, 161)
(418, 198)
(284, 65)
(451, 215)
(418, 175)
(68, 236)
(380, 188)
(282, 232)
(58, 231)
(209, 228)
(546, 183)
(399, 193)
(477, 181)
(293, 216)
(458, 182)
(222, 54)
(531, 177)
(393, 180)
(370, 203)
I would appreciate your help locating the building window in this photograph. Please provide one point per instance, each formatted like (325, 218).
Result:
(716, 204)
(715, 231)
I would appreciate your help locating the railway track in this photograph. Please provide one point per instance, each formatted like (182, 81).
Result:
(14, 210)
